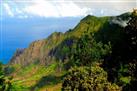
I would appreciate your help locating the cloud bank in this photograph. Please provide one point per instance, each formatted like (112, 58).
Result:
(65, 8)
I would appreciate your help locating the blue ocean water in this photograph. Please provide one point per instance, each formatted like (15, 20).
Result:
(19, 33)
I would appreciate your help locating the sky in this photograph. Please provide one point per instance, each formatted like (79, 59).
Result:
(58, 15)
(64, 8)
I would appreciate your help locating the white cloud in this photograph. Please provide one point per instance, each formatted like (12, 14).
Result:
(18, 11)
(55, 9)
(22, 16)
(109, 7)
(67, 8)
(102, 11)
(71, 9)
(41, 8)
(8, 9)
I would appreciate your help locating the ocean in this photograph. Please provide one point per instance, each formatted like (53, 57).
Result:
(19, 33)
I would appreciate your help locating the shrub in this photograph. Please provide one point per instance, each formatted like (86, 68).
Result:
(92, 78)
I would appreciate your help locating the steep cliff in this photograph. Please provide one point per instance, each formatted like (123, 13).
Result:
(37, 51)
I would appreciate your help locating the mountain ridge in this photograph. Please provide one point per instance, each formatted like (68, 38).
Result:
(89, 23)
(50, 57)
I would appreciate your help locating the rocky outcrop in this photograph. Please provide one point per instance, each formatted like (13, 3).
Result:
(16, 56)
(37, 52)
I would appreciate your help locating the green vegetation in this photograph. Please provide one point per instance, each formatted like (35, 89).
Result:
(92, 78)
(5, 82)
(99, 54)
(35, 77)
(88, 49)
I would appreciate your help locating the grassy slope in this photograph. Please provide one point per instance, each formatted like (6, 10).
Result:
(35, 76)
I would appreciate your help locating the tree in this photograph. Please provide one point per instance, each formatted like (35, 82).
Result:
(121, 65)
(92, 78)
(88, 50)
(5, 82)
(131, 33)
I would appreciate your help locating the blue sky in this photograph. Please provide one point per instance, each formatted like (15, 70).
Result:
(24, 21)
(64, 8)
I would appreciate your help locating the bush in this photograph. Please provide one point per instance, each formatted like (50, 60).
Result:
(5, 82)
(88, 79)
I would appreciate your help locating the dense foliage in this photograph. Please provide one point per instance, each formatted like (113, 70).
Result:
(92, 78)
(87, 50)
(124, 56)
(118, 62)
(5, 82)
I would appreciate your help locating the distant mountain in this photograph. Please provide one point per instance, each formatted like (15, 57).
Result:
(46, 55)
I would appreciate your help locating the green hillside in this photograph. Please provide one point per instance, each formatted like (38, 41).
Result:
(97, 55)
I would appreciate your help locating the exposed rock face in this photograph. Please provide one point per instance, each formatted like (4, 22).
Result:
(37, 51)
(16, 56)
